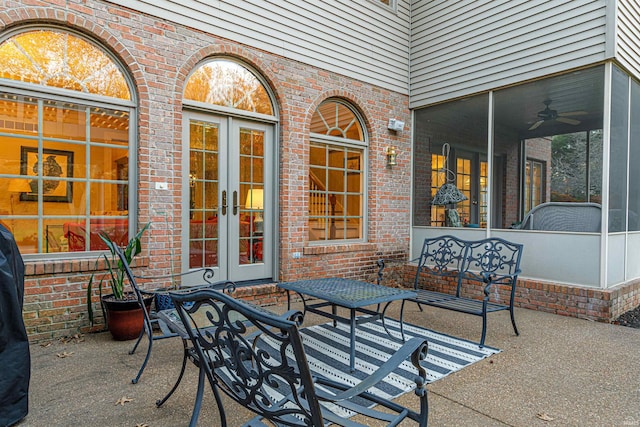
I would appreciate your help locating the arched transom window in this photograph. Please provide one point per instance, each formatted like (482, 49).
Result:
(59, 59)
(65, 158)
(336, 173)
(228, 84)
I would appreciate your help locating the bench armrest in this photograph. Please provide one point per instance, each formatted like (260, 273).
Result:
(415, 347)
(491, 279)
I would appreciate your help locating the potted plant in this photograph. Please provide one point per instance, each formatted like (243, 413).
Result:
(121, 310)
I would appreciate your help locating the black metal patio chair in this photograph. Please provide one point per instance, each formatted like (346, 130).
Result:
(274, 381)
(151, 320)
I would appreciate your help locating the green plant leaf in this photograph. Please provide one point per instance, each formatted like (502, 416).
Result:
(115, 272)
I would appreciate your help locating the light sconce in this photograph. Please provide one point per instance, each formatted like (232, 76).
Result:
(391, 156)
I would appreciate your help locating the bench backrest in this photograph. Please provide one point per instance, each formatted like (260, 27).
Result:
(492, 259)
(224, 335)
(442, 256)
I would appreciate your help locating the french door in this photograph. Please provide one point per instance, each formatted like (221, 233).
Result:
(472, 176)
(228, 209)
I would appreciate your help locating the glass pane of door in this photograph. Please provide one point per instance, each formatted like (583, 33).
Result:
(251, 167)
(203, 194)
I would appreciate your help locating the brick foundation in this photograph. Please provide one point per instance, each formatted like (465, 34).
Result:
(602, 305)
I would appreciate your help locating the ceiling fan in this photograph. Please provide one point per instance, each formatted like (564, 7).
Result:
(548, 114)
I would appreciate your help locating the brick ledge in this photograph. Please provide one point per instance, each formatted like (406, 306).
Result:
(339, 248)
(76, 265)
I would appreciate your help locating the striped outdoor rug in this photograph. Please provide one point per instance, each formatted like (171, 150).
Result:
(327, 349)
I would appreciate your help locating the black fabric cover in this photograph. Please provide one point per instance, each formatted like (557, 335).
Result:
(15, 360)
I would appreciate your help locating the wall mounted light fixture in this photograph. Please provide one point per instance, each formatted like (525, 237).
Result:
(391, 156)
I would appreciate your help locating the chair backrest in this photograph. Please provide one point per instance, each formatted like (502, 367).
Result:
(136, 290)
(224, 332)
(564, 216)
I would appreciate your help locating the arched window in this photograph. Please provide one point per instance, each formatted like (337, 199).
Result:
(337, 160)
(228, 84)
(65, 159)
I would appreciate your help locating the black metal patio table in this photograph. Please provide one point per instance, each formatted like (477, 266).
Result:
(353, 295)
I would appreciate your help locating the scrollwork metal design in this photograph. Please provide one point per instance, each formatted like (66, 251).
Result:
(443, 255)
(258, 377)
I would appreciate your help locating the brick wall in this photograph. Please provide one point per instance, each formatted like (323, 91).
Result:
(159, 56)
(602, 305)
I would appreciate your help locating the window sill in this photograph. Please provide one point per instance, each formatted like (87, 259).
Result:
(80, 265)
(338, 248)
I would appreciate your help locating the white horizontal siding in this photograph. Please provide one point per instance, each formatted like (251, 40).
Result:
(463, 47)
(628, 35)
(362, 39)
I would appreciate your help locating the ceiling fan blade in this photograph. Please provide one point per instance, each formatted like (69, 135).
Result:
(573, 113)
(568, 121)
(536, 124)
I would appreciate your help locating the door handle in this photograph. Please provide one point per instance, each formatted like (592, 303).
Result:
(224, 202)
(235, 203)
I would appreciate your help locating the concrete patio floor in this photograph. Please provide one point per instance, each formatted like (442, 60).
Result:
(560, 371)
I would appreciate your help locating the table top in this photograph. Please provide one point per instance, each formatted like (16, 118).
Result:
(347, 292)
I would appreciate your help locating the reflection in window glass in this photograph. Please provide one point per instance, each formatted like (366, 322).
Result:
(62, 60)
(252, 144)
(336, 119)
(65, 163)
(203, 191)
(335, 206)
(336, 174)
(50, 176)
(228, 84)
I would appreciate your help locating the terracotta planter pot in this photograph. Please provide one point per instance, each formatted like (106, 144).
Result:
(125, 319)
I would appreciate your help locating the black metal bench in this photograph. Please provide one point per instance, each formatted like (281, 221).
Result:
(492, 263)
(275, 381)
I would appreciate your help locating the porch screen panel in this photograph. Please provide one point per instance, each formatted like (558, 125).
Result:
(634, 159)
(618, 151)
